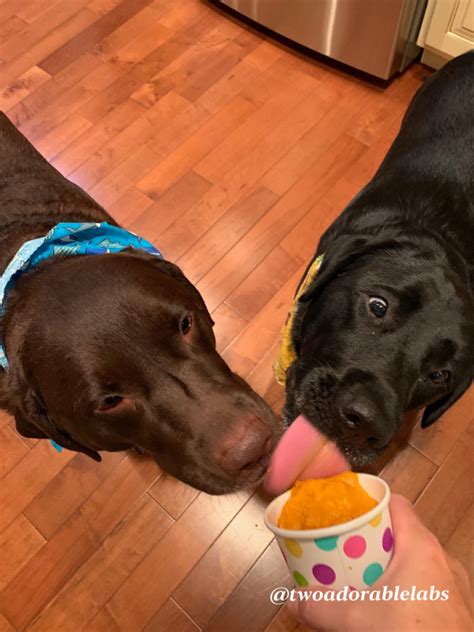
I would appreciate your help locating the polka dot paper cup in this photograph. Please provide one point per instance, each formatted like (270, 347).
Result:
(353, 553)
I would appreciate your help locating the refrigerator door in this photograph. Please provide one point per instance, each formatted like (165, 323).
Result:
(370, 35)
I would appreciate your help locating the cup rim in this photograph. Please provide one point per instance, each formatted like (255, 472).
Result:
(338, 529)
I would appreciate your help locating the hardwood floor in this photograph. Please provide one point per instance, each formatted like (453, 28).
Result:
(232, 154)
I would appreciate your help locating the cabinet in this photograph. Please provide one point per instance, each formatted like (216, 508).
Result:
(447, 30)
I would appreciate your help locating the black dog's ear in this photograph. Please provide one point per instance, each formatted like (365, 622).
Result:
(343, 251)
(436, 409)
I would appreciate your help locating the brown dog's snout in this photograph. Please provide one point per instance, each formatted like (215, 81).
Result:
(244, 447)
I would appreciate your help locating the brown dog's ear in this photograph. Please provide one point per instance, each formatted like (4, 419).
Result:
(31, 417)
(436, 409)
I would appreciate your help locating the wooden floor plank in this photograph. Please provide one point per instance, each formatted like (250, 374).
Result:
(47, 572)
(459, 544)
(170, 617)
(62, 135)
(125, 35)
(438, 440)
(13, 450)
(129, 205)
(22, 87)
(173, 495)
(31, 11)
(229, 85)
(102, 162)
(96, 136)
(265, 234)
(76, 46)
(409, 472)
(104, 622)
(19, 542)
(207, 75)
(43, 27)
(247, 136)
(249, 607)
(44, 96)
(5, 625)
(225, 563)
(182, 70)
(201, 257)
(228, 324)
(284, 622)
(25, 54)
(240, 179)
(21, 484)
(247, 350)
(450, 487)
(98, 578)
(68, 490)
(317, 141)
(264, 55)
(169, 208)
(180, 548)
(9, 26)
(198, 145)
(266, 279)
(125, 86)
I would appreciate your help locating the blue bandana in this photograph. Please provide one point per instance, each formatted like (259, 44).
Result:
(67, 239)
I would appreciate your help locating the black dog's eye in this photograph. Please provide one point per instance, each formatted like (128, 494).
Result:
(378, 306)
(186, 324)
(109, 402)
(440, 377)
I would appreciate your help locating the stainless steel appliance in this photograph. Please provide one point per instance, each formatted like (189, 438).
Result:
(376, 36)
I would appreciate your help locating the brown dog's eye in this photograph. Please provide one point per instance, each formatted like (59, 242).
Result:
(440, 377)
(186, 324)
(378, 306)
(110, 402)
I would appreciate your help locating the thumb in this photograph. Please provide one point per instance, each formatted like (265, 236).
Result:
(317, 608)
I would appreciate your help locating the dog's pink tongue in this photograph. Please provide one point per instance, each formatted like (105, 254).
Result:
(302, 452)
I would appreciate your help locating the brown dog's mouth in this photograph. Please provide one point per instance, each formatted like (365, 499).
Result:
(202, 472)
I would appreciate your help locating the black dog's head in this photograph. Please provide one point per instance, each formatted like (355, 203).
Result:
(385, 327)
(117, 351)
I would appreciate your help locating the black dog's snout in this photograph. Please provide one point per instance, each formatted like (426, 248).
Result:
(363, 421)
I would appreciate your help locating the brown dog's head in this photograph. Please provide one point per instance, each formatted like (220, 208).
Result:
(117, 351)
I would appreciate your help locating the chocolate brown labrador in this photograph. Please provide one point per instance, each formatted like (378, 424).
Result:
(387, 325)
(113, 351)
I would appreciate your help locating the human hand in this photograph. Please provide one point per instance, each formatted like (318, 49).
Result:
(419, 560)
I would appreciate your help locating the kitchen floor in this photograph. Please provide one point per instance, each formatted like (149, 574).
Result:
(232, 154)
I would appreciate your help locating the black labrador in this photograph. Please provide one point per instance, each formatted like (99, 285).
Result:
(113, 351)
(387, 324)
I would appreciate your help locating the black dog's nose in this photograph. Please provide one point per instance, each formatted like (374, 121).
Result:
(364, 422)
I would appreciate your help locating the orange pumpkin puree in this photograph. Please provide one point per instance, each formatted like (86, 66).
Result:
(325, 502)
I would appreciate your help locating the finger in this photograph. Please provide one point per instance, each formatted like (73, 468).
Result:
(407, 531)
(462, 580)
(404, 517)
(405, 521)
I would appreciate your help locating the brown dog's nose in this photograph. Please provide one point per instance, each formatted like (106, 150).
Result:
(244, 447)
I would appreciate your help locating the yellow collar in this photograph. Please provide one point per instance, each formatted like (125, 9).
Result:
(286, 353)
